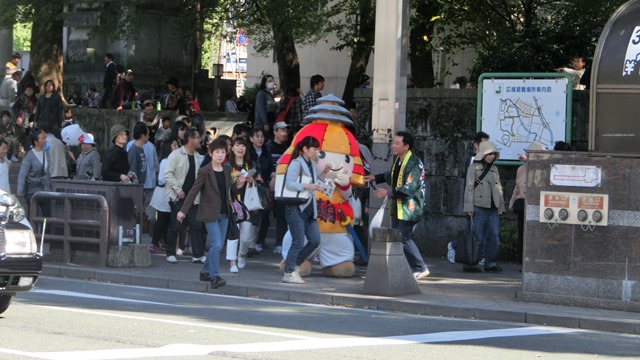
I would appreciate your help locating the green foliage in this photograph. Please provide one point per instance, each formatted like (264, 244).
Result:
(22, 36)
(508, 234)
(522, 35)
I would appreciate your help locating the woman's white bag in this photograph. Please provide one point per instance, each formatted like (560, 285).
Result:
(377, 219)
(252, 198)
(289, 197)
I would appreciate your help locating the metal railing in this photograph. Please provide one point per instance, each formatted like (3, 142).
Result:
(68, 222)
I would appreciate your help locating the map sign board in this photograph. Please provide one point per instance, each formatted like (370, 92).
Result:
(522, 109)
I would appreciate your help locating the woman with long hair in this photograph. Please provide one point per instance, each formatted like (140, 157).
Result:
(302, 218)
(294, 102)
(245, 172)
(265, 106)
(49, 109)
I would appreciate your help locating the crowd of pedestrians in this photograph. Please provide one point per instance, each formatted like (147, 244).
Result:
(192, 176)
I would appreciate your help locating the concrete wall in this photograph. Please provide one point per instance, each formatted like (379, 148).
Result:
(569, 265)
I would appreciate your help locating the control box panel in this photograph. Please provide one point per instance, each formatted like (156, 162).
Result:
(574, 208)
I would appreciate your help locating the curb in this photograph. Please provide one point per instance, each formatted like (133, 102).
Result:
(548, 318)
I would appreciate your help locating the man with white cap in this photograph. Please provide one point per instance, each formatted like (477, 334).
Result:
(88, 163)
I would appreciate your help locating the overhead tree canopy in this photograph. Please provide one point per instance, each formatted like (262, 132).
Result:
(522, 35)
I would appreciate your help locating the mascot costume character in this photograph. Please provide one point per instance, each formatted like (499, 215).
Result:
(339, 149)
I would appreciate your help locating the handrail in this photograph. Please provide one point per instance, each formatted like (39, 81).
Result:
(68, 222)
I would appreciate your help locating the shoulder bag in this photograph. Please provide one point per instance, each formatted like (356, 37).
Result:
(289, 197)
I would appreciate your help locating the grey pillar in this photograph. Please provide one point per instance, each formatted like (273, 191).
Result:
(388, 272)
(389, 82)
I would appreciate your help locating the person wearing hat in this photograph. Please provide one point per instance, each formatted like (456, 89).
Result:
(12, 65)
(88, 163)
(124, 93)
(516, 204)
(484, 203)
(115, 166)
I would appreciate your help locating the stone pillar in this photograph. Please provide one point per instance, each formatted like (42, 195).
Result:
(6, 45)
(389, 82)
(390, 68)
(388, 272)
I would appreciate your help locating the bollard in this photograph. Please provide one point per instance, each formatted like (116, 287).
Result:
(141, 255)
(120, 256)
(388, 273)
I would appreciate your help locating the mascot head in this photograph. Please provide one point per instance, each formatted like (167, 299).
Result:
(338, 146)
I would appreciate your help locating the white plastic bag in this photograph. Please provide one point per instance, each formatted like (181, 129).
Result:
(377, 219)
(252, 198)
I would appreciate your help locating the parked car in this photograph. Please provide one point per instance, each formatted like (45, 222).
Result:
(20, 261)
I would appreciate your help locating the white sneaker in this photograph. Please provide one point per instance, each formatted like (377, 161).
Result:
(242, 262)
(233, 269)
(179, 252)
(421, 274)
(172, 259)
(481, 263)
(258, 248)
(292, 278)
(198, 260)
(316, 259)
(277, 250)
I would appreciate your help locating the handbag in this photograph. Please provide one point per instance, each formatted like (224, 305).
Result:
(290, 197)
(468, 248)
(377, 219)
(266, 198)
(252, 198)
(282, 115)
(240, 211)
(518, 206)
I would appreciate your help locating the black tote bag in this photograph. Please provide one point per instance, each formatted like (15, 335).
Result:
(468, 248)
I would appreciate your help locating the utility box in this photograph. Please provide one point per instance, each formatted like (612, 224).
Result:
(125, 207)
(615, 84)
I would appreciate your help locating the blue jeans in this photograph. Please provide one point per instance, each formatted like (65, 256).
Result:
(301, 224)
(217, 231)
(487, 223)
(411, 251)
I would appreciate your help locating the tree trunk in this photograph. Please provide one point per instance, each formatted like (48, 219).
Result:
(46, 44)
(421, 59)
(286, 56)
(361, 51)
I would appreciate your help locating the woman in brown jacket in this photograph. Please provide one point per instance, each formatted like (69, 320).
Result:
(213, 183)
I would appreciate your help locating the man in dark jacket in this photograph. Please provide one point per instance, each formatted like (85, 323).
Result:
(109, 80)
(115, 165)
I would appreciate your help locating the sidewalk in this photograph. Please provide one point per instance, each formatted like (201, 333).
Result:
(447, 292)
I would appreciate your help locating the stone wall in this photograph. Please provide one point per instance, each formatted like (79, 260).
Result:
(444, 122)
(571, 264)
